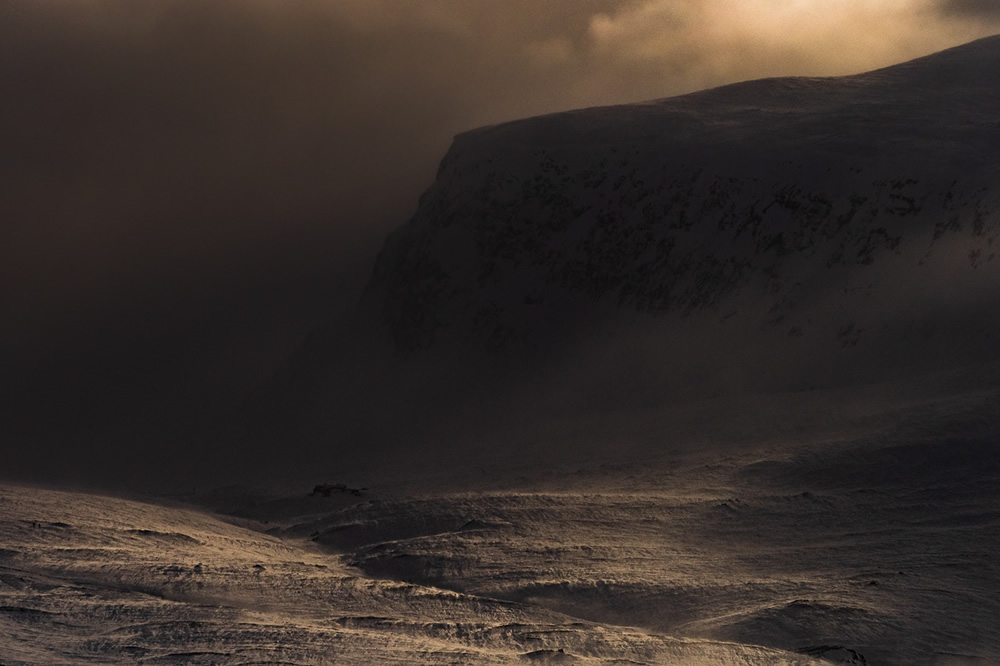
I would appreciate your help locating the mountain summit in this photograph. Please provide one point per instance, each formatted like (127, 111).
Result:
(851, 216)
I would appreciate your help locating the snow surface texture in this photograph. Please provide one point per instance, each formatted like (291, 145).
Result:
(871, 541)
(91, 579)
(875, 538)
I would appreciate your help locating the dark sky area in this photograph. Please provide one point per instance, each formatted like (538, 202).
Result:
(189, 186)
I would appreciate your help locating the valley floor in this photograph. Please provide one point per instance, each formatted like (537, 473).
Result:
(877, 548)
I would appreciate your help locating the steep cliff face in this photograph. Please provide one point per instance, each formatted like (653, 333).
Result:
(832, 213)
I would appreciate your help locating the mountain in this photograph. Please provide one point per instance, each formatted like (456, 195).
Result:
(704, 380)
(602, 275)
(790, 228)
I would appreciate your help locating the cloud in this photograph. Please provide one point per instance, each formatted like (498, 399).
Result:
(193, 139)
(175, 137)
(183, 180)
(708, 42)
(976, 9)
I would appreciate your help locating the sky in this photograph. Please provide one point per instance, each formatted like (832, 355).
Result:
(187, 187)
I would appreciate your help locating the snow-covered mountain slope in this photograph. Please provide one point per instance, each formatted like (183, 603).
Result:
(784, 228)
(874, 546)
(86, 579)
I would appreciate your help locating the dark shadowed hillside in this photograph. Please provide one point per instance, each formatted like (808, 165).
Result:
(776, 235)
(803, 207)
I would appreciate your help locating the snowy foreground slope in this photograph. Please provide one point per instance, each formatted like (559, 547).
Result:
(91, 579)
(862, 540)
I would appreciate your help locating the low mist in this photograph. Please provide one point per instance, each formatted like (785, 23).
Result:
(188, 189)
